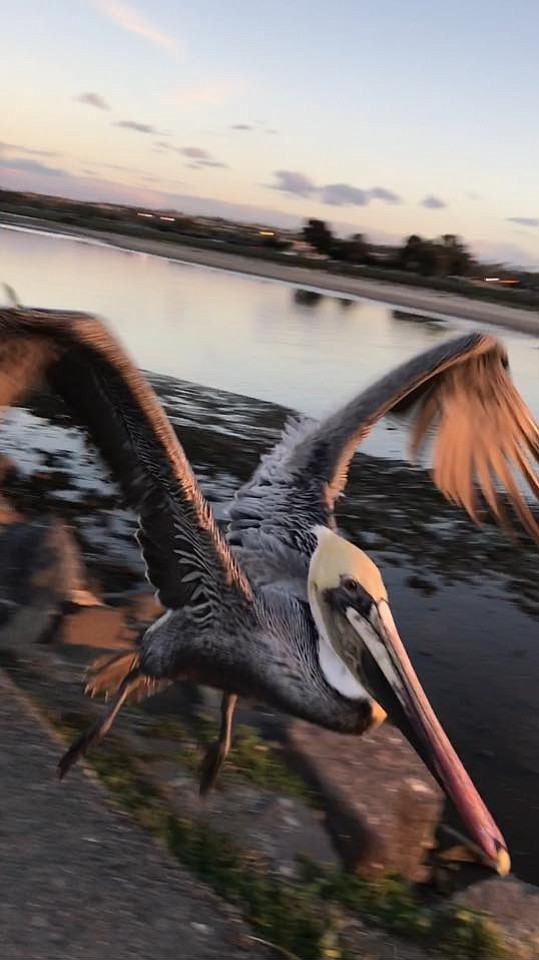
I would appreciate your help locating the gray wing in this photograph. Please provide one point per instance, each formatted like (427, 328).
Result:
(187, 559)
(484, 434)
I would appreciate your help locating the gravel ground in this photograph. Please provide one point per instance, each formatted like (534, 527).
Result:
(79, 881)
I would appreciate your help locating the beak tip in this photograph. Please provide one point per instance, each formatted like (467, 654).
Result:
(503, 862)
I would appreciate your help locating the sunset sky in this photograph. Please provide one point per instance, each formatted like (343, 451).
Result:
(384, 117)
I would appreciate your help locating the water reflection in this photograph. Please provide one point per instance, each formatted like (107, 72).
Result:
(306, 298)
(242, 334)
(428, 323)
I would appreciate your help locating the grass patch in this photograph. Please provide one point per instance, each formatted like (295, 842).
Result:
(281, 913)
(452, 930)
(251, 760)
(303, 920)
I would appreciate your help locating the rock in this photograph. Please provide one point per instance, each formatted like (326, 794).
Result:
(514, 906)
(27, 581)
(102, 627)
(110, 628)
(42, 575)
(279, 828)
(41, 572)
(383, 807)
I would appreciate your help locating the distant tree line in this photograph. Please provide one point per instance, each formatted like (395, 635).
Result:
(417, 260)
(448, 256)
(444, 257)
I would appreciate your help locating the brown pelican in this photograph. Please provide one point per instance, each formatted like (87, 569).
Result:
(282, 609)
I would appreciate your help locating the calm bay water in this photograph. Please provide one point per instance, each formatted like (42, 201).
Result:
(466, 600)
(255, 337)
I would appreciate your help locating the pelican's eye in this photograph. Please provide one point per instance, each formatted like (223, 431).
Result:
(356, 595)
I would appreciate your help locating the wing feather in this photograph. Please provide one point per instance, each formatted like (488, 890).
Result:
(188, 561)
(461, 390)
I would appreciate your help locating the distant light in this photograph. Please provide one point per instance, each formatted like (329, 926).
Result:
(267, 233)
(168, 219)
(149, 215)
(507, 281)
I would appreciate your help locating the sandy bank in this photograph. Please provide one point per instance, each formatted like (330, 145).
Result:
(413, 298)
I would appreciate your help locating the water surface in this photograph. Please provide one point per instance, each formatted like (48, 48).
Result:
(261, 338)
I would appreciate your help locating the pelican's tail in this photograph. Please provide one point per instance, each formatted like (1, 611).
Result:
(106, 675)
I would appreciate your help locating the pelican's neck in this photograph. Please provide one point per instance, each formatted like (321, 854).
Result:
(337, 674)
(298, 669)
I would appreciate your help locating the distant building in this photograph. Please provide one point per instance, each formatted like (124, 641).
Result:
(300, 248)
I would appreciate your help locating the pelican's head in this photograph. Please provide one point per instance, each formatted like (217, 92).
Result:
(362, 656)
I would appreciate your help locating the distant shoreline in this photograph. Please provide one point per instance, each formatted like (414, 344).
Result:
(418, 299)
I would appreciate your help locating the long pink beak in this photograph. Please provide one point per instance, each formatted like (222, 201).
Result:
(422, 728)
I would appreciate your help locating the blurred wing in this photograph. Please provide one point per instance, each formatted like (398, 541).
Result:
(484, 434)
(187, 560)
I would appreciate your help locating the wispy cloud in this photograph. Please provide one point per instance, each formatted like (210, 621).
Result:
(210, 162)
(122, 168)
(380, 193)
(343, 195)
(136, 174)
(294, 183)
(136, 126)
(27, 165)
(26, 151)
(432, 203)
(150, 178)
(525, 221)
(241, 126)
(197, 155)
(128, 18)
(93, 100)
(118, 166)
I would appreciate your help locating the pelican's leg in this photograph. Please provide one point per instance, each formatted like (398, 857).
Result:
(101, 727)
(217, 751)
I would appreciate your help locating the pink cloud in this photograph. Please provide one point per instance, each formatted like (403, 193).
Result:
(126, 16)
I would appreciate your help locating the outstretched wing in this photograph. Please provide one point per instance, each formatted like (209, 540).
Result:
(485, 436)
(188, 561)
